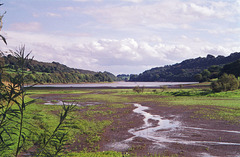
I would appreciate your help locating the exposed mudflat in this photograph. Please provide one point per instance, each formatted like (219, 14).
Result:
(156, 128)
(170, 130)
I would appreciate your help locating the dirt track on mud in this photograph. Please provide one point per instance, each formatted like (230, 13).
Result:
(189, 137)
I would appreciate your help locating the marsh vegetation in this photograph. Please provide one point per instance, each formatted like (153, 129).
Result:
(104, 118)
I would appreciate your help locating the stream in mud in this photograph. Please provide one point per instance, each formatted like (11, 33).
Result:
(168, 130)
(161, 131)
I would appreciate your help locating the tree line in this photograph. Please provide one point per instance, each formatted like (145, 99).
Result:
(226, 76)
(186, 70)
(55, 72)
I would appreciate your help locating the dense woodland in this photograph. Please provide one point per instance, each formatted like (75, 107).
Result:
(56, 73)
(198, 69)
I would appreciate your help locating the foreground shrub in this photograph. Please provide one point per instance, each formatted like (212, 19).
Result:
(225, 83)
(17, 134)
(138, 89)
(163, 88)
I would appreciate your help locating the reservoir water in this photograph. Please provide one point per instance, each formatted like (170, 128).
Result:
(116, 84)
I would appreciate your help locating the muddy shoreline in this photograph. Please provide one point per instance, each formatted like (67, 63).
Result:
(99, 88)
(193, 136)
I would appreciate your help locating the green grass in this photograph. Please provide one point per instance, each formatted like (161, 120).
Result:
(230, 94)
(227, 109)
(55, 91)
(84, 122)
(231, 115)
(35, 119)
(206, 104)
(105, 98)
(41, 117)
(180, 97)
(225, 105)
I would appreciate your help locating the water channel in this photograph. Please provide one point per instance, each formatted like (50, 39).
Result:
(159, 133)
(164, 131)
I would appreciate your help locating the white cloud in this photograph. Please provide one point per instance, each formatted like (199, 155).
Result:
(134, 1)
(53, 14)
(168, 13)
(69, 8)
(217, 50)
(135, 36)
(31, 26)
(201, 10)
(110, 54)
(225, 31)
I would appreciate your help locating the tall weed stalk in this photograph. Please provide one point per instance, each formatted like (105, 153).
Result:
(13, 133)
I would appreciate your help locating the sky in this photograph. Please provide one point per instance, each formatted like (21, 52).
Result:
(121, 36)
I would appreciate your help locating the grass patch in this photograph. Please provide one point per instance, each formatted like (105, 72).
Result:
(106, 98)
(55, 91)
(39, 118)
(226, 114)
(89, 122)
(218, 106)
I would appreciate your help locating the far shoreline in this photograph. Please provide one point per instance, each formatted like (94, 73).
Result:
(118, 85)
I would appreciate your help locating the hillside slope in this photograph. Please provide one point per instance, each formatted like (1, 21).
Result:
(185, 70)
(56, 73)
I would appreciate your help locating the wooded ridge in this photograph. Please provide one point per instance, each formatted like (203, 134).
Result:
(204, 68)
(184, 71)
(55, 72)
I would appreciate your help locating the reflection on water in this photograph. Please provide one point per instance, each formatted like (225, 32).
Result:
(59, 102)
(150, 131)
(117, 84)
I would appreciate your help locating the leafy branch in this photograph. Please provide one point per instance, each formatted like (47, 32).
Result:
(57, 139)
(12, 108)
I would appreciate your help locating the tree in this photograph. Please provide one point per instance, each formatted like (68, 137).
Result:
(206, 73)
(225, 83)
(214, 68)
(138, 89)
(232, 68)
(198, 77)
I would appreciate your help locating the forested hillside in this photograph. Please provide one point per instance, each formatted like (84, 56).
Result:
(55, 72)
(184, 71)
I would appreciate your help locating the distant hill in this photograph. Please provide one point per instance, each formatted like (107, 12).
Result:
(57, 73)
(184, 71)
(37, 66)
